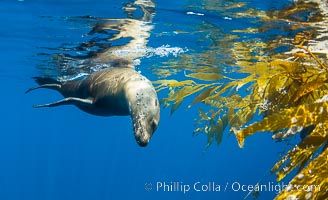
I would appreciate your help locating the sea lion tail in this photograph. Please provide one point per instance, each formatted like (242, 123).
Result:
(48, 83)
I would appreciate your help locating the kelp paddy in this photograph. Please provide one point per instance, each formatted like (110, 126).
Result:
(250, 84)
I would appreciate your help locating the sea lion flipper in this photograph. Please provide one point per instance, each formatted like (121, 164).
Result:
(48, 86)
(45, 82)
(67, 101)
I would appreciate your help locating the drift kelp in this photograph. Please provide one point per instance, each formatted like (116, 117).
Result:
(276, 85)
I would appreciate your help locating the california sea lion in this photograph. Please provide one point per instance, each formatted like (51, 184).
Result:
(112, 91)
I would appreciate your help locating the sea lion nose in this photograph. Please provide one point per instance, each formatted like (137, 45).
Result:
(142, 142)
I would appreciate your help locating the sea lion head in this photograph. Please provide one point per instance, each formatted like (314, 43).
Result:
(144, 109)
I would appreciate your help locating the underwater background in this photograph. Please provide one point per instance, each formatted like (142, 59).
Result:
(64, 153)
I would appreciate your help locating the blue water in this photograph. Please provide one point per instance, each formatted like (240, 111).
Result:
(64, 153)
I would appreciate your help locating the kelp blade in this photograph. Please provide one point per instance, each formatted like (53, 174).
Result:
(303, 116)
(311, 182)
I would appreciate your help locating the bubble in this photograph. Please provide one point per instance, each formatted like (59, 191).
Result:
(291, 197)
(285, 169)
(308, 195)
(165, 50)
(294, 120)
(193, 13)
(289, 188)
(300, 176)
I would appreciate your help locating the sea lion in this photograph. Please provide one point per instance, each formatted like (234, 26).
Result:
(113, 91)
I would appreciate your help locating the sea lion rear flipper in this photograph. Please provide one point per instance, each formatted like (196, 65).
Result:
(67, 101)
(44, 82)
(48, 86)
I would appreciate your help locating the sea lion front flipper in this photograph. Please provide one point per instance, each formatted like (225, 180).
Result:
(67, 101)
